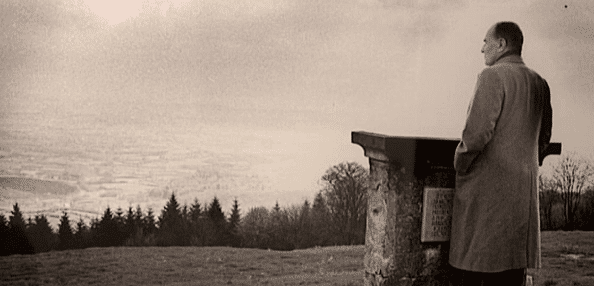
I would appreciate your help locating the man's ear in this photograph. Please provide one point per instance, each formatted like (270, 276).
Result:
(501, 44)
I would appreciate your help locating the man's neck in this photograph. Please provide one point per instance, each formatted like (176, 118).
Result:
(507, 53)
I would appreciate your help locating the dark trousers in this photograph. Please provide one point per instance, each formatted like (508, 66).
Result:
(513, 277)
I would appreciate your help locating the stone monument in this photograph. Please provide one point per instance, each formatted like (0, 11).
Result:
(409, 208)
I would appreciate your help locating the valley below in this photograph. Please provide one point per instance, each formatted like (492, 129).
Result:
(97, 163)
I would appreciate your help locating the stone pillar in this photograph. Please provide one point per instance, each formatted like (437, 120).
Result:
(400, 169)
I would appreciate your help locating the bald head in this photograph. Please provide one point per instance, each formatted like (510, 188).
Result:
(511, 33)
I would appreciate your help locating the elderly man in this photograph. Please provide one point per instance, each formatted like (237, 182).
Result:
(495, 224)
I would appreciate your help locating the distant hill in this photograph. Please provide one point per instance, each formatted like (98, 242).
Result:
(37, 186)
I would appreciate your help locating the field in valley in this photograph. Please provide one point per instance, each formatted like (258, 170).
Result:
(568, 259)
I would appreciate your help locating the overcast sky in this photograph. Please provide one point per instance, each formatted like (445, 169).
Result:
(301, 73)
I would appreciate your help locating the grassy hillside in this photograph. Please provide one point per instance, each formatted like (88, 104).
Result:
(568, 259)
(185, 266)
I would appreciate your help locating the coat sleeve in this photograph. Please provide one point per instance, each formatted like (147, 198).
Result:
(546, 124)
(483, 113)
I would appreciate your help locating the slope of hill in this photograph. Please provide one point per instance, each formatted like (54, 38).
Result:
(339, 266)
(568, 260)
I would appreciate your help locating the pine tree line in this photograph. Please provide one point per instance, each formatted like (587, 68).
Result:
(293, 227)
(336, 217)
(175, 226)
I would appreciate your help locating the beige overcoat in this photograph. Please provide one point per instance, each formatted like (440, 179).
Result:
(495, 220)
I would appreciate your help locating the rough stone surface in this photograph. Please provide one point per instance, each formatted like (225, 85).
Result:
(394, 252)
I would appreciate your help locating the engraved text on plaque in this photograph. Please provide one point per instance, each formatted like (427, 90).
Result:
(437, 214)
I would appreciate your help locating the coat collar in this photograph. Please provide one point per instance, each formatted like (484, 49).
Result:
(510, 58)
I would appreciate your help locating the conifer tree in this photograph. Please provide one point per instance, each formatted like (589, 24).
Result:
(93, 239)
(276, 208)
(138, 217)
(184, 231)
(150, 224)
(215, 213)
(4, 232)
(129, 224)
(16, 220)
(171, 224)
(135, 224)
(3, 222)
(119, 215)
(215, 226)
(46, 233)
(17, 237)
(120, 221)
(41, 234)
(3, 235)
(107, 232)
(274, 228)
(65, 234)
(185, 213)
(149, 228)
(234, 221)
(171, 211)
(195, 210)
(81, 234)
(196, 224)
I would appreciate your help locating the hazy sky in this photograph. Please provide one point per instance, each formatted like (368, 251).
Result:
(296, 76)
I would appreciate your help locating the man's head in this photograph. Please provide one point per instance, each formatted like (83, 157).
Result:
(503, 37)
